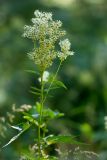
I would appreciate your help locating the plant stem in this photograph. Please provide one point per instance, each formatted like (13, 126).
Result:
(52, 81)
(41, 110)
(42, 100)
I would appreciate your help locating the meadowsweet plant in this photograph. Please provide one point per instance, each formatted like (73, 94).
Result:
(46, 33)
(50, 43)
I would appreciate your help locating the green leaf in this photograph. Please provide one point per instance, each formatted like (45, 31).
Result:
(52, 88)
(48, 113)
(35, 93)
(60, 139)
(56, 83)
(38, 107)
(59, 84)
(31, 71)
(30, 118)
(26, 126)
(17, 128)
(36, 89)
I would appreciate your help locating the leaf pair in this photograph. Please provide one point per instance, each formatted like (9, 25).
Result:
(47, 113)
(25, 126)
(51, 139)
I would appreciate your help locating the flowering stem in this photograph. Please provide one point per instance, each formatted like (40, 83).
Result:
(52, 81)
(41, 110)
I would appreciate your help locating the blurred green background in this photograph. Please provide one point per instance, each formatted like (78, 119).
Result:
(84, 74)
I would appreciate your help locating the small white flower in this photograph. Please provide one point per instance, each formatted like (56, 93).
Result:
(45, 76)
(65, 44)
(37, 13)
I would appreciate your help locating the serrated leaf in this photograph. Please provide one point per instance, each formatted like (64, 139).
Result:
(61, 139)
(26, 127)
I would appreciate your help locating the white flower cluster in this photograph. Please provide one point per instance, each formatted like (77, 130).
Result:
(45, 34)
(105, 121)
(65, 49)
